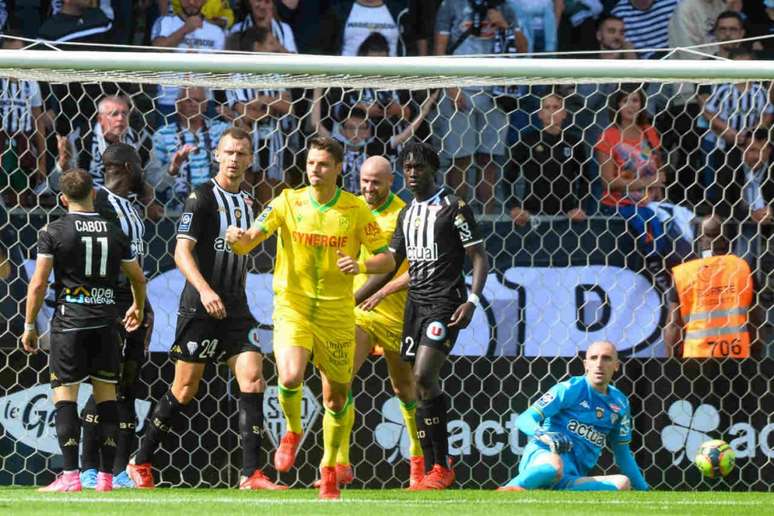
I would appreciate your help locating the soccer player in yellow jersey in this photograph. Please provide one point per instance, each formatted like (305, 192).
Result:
(320, 229)
(379, 319)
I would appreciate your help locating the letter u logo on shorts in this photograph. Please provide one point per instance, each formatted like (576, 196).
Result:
(436, 330)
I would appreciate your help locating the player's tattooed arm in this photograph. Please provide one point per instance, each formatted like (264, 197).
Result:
(36, 293)
(464, 313)
(394, 285)
(242, 241)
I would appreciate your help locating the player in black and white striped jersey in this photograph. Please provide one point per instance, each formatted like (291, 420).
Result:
(214, 322)
(123, 181)
(434, 233)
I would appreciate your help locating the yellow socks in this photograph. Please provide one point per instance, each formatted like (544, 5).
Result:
(409, 411)
(290, 401)
(342, 456)
(334, 429)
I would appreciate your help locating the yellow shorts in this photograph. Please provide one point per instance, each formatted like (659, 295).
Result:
(384, 332)
(332, 347)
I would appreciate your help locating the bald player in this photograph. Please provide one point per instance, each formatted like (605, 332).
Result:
(379, 318)
(571, 424)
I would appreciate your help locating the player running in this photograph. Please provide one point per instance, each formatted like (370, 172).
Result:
(320, 228)
(87, 253)
(379, 319)
(214, 319)
(123, 179)
(571, 424)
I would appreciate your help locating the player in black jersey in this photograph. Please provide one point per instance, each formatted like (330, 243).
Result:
(434, 232)
(123, 180)
(213, 319)
(87, 253)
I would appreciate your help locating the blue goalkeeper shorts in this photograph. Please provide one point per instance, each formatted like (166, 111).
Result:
(536, 449)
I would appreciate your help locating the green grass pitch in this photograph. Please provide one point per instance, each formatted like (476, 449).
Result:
(26, 501)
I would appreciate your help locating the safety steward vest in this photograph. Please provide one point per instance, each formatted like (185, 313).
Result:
(715, 296)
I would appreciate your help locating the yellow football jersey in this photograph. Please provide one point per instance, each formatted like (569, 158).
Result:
(386, 215)
(306, 277)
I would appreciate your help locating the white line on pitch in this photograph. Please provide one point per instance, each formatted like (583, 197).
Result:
(401, 502)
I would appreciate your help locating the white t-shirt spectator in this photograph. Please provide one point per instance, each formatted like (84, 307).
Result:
(362, 21)
(280, 30)
(209, 37)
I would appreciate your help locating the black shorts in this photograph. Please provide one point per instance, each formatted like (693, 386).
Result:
(134, 342)
(427, 325)
(205, 340)
(78, 355)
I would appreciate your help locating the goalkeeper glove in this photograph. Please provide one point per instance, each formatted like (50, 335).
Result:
(556, 441)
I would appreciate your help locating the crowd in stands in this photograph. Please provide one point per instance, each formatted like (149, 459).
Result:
(611, 149)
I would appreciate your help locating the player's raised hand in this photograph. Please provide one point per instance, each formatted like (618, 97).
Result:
(347, 264)
(29, 341)
(556, 441)
(132, 318)
(462, 315)
(213, 304)
(179, 157)
(371, 303)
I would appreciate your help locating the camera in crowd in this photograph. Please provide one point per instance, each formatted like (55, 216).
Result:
(480, 8)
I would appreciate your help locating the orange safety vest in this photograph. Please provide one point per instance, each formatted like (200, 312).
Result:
(715, 295)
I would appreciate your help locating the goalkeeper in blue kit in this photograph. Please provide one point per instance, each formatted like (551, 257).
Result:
(571, 424)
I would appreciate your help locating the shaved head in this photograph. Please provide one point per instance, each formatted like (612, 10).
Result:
(603, 346)
(375, 181)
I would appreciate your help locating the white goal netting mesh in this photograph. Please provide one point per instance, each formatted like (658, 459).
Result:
(573, 258)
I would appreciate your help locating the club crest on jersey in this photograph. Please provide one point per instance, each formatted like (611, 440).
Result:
(344, 222)
(436, 331)
(192, 346)
(599, 412)
(264, 214)
(237, 213)
(185, 222)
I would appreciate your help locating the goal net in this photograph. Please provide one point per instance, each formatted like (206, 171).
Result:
(538, 147)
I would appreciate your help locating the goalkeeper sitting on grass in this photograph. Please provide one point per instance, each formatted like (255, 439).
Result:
(571, 423)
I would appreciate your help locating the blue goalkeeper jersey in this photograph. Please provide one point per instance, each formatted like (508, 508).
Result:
(589, 418)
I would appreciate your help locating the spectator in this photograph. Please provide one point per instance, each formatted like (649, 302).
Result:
(349, 22)
(469, 123)
(746, 181)
(260, 13)
(538, 23)
(590, 101)
(215, 11)
(730, 110)
(77, 22)
(691, 24)
(182, 156)
(577, 21)
(304, 18)
(265, 114)
(728, 28)
(647, 23)
(111, 126)
(713, 308)
(550, 161)
(420, 26)
(354, 131)
(189, 31)
(629, 165)
(22, 136)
